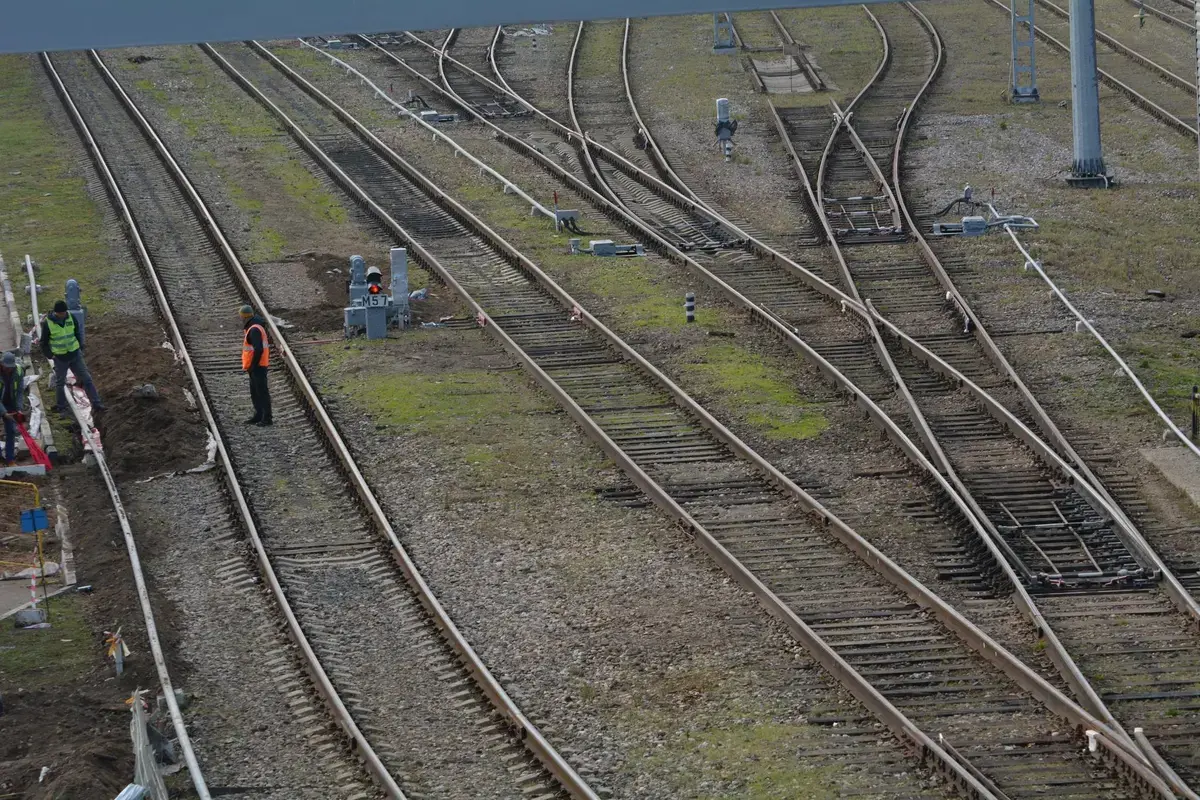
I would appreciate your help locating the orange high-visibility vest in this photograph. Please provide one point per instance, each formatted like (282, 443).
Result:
(248, 349)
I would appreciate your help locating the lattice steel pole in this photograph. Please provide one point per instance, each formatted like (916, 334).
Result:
(1023, 92)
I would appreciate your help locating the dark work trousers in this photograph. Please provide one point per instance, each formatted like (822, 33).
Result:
(74, 362)
(259, 394)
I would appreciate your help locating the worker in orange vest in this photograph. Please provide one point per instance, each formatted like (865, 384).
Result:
(256, 355)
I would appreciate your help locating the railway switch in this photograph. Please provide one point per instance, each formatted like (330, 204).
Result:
(373, 309)
(606, 247)
(726, 128)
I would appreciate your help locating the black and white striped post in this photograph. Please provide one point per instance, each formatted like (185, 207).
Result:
(1195, 412)
(689, 306)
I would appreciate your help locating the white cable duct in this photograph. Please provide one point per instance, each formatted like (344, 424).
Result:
(143, 592)
(508, 185)
(1031, 262)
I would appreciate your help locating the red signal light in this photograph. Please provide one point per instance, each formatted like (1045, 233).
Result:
(374, 288)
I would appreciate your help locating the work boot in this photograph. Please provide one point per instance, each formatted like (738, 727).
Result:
(99, 407)
(266, 423)
(254, 420)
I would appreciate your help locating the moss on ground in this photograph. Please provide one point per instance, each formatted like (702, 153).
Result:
(758, 759)
(630, 284)
(750, 384)
(45, 209)
(438, 404)
(48, 657)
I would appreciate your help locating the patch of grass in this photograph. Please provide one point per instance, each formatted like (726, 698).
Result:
(432, 404)
(600, 50)
(304, 188)
(686, 85)
(488, 425)
(213, 106)
(750, 384)
(627, 282)
(1168, 369)
(45, 210)
(54, 656)
(842, 42)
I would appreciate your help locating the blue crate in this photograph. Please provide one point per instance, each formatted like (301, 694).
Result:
(34, 520)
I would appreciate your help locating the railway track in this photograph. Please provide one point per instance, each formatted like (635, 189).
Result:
(1136, 76)
(418, 707)
(667, 449)
(442, 68)
(1114, 566)
(1000, 475)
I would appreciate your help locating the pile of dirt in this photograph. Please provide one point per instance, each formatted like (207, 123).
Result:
(77, 735)
(142, 435)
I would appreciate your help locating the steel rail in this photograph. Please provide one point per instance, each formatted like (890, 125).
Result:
(195, 773)
(979, 521)
(527, 732)
(1129, 754)
(810, 72)
(319, 677)
(837, 666)
(146, 266)
(1166, 74)
(1066, 666)
(1129, 764)
(505, 183)
(656, 154)
(1058, 652)
(592, 168)
(1070, 461)
(760, 313)
(1133, 95)
(662, 189)
(1101, 502)
(296, 374)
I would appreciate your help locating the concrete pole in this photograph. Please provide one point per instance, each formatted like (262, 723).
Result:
(1087, 168)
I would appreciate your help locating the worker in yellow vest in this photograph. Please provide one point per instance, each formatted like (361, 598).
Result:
(62, 343)
(256, 356)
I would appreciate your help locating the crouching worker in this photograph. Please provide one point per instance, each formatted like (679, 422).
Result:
(12, 403)
(62, 343)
